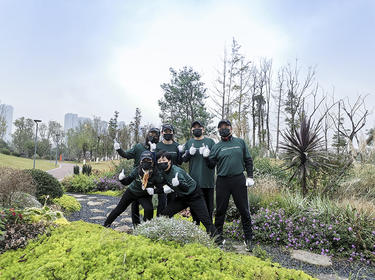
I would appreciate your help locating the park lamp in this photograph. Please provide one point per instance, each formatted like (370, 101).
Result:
(36, 137)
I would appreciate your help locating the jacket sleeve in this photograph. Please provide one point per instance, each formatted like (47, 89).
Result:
(211, 160)
(128, 154)
(248, 161)
(186, 156)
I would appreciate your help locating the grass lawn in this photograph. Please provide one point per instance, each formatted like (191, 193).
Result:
(25, 163)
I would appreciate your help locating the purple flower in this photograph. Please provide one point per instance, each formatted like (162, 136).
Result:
(350, 229)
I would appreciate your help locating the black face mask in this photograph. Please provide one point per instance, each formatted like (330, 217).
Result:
(163, 166)
(149, 138)
(168, 136)
(146, 165)
(224, 132)
(197, 132)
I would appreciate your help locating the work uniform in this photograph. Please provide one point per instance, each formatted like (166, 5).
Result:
(231, 158)
(136, 193)
(187, 195)
(135, 153)
(171, 149)
(200, 172)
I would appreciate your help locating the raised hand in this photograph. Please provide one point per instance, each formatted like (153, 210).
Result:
(175, 181)
(121, 175)
(181, 148)
(192, 150)
(202, 148)
(116, 145)
(150, 191)
(152, 146)
(167, 189)
(206, 151)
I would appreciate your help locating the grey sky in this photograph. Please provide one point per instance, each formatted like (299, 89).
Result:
(95, 57)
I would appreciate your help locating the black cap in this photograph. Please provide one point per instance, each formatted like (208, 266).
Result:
(197, 122)
(146, 155)
(154, 129)
(167, 126)
(227, 122)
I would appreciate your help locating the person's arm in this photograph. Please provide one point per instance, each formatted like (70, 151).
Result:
(128, 179)
(128, 154)
(183, 185)
(248, 161)
(186, 156)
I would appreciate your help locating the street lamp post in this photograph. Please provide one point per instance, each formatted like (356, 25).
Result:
(57, 146)
(36, 138)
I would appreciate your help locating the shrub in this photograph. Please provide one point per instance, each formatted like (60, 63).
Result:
(17, 235)
(79, 184)
(177, 230)
(76, 169)
(93, 252)
(108, 184)
(342, 233)
(5, 151)
(68, 203)
(47, 186)
(12, 182)
(21, 200)
(270, 168)
(86, 169)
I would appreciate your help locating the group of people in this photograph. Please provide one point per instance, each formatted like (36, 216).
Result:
(157, 171)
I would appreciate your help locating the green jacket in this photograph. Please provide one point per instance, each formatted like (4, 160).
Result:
(198, 168)
(187, 184)
(134, 153)
(231, 157)
(171, 149)
(155, 181)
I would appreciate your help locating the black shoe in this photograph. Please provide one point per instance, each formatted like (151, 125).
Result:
(220, 241)
(249, 246)
(107, 225)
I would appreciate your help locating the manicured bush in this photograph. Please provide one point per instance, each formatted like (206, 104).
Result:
(76, 169)
(88, 251)
(22, 200)
(177, 230)
(79, 184)
(68, 203)
(47, 186)
(86, 169)
(12, 182)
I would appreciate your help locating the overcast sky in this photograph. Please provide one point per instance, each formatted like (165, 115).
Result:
(95, 57)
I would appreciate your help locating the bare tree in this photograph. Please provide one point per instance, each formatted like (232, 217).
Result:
(3, 123)
(279, 98)
(220, 87)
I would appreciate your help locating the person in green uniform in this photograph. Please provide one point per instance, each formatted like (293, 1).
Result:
(143, 180)
(187, 192)
(171, 147)
(198, 168)
(135, 152)
(231, 157)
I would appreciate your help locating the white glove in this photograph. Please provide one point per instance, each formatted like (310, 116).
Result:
(116, 145)
(249, 182)
(175, 181)
(202, 148)
(152, 146)
(150, 191)
(206, 151)
(121, 175)
(192, 150)
(181, 148)
(167, 189)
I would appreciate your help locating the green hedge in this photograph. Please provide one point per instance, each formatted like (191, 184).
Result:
(46, 185)
(68, 203)
(87, 251)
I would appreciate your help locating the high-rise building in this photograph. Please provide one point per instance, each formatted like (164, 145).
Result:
(7, 111)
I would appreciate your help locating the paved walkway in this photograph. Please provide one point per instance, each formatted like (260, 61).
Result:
(64, 169)
(96, 208)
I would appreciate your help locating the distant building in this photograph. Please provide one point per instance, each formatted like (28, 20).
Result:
(8, 113)
(72, 121)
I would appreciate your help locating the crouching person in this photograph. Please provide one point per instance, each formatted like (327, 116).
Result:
(187, 192)
(143, 179)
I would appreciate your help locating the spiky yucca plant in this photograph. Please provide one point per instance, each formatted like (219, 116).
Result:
(304, 151)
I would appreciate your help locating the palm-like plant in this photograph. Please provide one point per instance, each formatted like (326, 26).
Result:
(304, 151)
